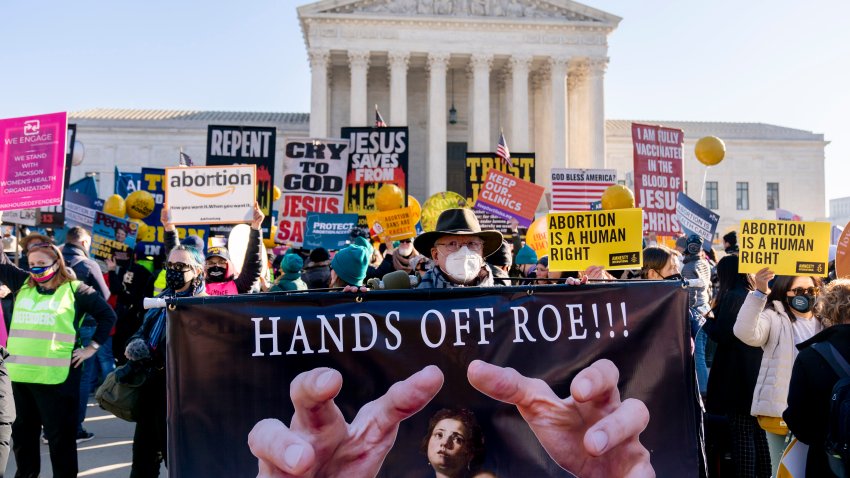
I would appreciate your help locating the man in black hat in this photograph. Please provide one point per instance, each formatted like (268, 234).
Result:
(457, 248)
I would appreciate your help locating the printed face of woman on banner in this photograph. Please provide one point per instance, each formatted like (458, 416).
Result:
(454, 443)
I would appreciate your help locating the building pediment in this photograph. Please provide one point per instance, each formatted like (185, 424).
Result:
(535, 10)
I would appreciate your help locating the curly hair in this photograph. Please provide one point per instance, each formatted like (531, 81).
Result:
(475, 438)
(833, 305)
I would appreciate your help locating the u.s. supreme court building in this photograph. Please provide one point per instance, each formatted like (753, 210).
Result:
(456, 72)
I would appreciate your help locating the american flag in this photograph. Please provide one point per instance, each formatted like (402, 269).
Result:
(185, 160)
(575, 189)
(379, 121)
(502, 150)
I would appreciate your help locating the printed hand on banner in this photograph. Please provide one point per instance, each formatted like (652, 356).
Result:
(165, 217)
(257, 221)
(591, 433)
(762, 279)
(319, 443)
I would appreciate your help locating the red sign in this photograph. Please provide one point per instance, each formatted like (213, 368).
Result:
(658, 176)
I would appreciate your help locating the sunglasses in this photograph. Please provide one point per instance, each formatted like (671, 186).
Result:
(405, 241)
(178, 266)
(39, 245)
(805, 290)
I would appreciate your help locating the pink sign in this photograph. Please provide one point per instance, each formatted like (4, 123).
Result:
(32, 161)
(658, 176)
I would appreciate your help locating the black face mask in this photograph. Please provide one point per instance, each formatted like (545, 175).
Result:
(216, 274)
(175, 280)
(802, 303)
(674, 277)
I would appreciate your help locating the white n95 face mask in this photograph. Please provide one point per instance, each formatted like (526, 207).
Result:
(463, 265)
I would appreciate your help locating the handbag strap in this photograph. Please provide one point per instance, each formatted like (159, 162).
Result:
(833, 358)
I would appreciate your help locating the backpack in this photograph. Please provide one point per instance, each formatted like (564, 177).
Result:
(838, 435)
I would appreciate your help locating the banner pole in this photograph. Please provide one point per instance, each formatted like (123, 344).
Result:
(702, 194)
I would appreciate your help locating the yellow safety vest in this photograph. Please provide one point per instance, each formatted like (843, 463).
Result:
(42, 335)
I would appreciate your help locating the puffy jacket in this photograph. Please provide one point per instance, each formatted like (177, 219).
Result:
(770, 329)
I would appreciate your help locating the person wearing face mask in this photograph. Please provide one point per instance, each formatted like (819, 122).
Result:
(131, 285)
(45, 354)
(777, 319)
(397, 258)
(458, 247)
(184, 277)
(219, 273)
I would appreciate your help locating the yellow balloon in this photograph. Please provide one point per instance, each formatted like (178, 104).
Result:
(415, 208)
(710, 150)
(389, 197)
(617, 196)
(139, 204)
(115, 206)
(269, 241)
(276, 193)
(144, 233)
(436, 204)
(537, 236)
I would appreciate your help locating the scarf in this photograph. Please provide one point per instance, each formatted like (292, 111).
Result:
(158, 315)
(401, 263)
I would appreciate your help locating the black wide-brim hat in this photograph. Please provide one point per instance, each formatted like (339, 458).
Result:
(458, 222)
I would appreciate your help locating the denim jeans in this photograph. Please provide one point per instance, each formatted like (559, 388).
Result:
(699, 361)
(94, 371)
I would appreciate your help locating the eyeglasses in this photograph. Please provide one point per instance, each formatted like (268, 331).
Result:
(805, 291)
(405, 241)
(178, 266)
(453, 246)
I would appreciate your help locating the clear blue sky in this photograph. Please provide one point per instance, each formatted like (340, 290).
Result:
(774, 61)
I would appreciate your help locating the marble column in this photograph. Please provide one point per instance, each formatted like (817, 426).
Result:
(558, 87)
(359, 64)
(398, 63)
(481, 65)
(596, 111)
(519, 108)
(436, 173)
(576, 123)
(319, 93)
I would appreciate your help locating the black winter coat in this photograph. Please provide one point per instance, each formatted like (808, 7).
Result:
(736, 365)
(809, 395)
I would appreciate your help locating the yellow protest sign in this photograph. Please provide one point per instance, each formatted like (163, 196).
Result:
(612, 239)
(395, 224)
(790, 248)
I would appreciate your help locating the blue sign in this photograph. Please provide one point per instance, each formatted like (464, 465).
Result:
(696, 219)
(596, 206)
(80, 209)
(126, 183)
(331, 231)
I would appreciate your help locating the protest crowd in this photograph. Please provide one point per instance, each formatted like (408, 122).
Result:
(767, 349)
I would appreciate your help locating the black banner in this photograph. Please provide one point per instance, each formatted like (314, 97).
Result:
(247, 145)
(231, 362)
(376, 156)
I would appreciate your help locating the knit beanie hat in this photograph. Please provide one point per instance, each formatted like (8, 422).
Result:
(319, 254)
(351, 262)
(731, 238)
(526, 255)
(292, 263)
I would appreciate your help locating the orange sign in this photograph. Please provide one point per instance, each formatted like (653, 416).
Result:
(509, 197)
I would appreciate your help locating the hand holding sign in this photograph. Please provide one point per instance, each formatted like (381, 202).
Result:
(762, 278)
(257, 220)
(319, 443)
(591, 433)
